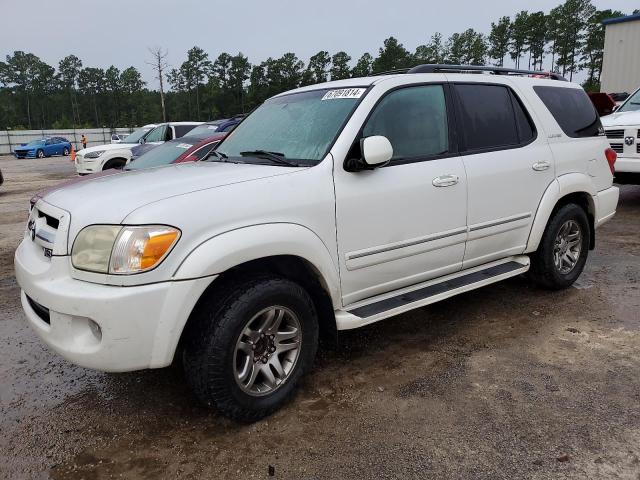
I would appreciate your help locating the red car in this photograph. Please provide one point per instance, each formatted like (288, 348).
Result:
(180, 150)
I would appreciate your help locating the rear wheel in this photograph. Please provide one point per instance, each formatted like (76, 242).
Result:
(65, 151)
(563, 250)
(248, 346)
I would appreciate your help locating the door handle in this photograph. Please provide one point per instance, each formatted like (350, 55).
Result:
(445, 180)
(541, 166)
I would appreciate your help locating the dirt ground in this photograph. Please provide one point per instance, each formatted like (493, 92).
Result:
(505, 382)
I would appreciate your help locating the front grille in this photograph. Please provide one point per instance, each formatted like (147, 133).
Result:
(617, 147)
(41, 311)
(638, 147)
(614, 133)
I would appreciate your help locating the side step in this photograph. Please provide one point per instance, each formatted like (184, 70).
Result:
(384, 306)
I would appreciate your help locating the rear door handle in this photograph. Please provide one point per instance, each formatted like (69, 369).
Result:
(541, 166)
(445, 180)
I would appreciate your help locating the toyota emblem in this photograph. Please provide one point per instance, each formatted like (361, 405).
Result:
(629, 140)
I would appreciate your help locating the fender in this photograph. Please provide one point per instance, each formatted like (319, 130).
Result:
(235, 247)
(562, 186)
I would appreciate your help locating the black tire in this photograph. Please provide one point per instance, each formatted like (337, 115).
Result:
(40, 154)
(215, 327)
(116, 163)
(65, 152)
(543, 267)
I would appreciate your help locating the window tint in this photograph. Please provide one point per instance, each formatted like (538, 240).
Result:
(182, 130)
(157, 134)
(572, 109)
(414, 119)
(526, 129)
(487, 117)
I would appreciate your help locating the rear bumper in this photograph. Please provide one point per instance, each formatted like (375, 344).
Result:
(606, 203)
(139, 327)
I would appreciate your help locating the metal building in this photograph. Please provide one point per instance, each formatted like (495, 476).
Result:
(621, 62)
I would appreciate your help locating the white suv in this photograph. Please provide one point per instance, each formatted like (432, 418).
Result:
(117, 155)
(330, 207)
(623, 131)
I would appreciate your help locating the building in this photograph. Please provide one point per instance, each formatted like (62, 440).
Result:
(621, 62)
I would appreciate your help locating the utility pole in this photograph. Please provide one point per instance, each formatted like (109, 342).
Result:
(160, 65)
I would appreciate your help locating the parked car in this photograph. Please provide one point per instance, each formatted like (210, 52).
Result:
(44, 147)
(162, 133)
(216, 126)
(180, 150)
(622, 128)
(104, 157)
(331, 207)
(604, 103)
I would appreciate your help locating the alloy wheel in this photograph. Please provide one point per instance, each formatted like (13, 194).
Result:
(567, 247)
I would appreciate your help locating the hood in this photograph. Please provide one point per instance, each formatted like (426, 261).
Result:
(622, 119)
(46, 191)
(107, 147)
(110, 198)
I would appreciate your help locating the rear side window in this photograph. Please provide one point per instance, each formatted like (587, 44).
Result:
(572, 109)
(182, 130)
(487, 117)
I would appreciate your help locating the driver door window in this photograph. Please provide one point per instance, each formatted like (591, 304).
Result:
(157, 135)
(414, 120)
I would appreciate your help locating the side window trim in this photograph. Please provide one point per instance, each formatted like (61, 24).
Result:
(451, 125)
(513, 96)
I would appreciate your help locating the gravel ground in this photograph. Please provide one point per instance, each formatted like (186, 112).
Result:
(505, 382)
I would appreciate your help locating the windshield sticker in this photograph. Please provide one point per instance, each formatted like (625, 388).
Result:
(344, 93)
(184, 145)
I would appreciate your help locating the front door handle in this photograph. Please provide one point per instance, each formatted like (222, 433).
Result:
(445, 180)
(541, 166)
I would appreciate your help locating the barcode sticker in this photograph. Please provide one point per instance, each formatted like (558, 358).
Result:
(184, 145)
(344, 93)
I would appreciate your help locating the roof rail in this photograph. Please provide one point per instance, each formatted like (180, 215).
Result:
(432, 68)
(393, 72)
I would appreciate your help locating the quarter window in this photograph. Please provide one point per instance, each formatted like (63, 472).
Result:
(572, 109)
(414, 119)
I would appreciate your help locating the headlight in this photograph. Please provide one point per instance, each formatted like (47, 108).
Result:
(122, 250)
(94, 154)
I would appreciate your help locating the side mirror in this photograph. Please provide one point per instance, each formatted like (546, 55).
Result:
(376, 150)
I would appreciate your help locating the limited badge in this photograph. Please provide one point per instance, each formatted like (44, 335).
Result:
(344, 93)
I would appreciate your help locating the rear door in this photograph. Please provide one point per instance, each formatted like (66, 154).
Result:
(509, 166)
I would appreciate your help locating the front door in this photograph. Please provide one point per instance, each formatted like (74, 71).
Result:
(403, 223)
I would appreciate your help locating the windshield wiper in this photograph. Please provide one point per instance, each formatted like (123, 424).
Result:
(222, 156)
(275, 157)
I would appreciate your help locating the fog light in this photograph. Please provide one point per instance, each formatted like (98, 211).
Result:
(95, 329)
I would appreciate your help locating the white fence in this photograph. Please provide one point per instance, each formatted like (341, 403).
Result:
(9, 139)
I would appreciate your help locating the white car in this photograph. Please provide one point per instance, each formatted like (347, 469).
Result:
(113, 155)
(329, 207)
(105, 157)
(623, 131)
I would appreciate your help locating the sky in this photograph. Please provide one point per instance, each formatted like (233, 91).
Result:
(119, 32)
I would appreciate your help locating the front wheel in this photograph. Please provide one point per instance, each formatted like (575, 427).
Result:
(40, 154)
(248, 345)
(563, 250)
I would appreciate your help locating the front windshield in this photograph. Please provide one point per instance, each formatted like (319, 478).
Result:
(300, 126)
(632, 104)
(204, 131)
(162, 155)
(36, 142)
(136, 135)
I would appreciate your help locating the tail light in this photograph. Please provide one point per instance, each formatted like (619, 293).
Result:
(612, 156)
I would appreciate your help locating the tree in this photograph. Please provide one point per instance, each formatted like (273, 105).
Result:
(593, 47)
(318, 69)
(432, 52)
(519, 35)
(536, 38)
(132, 85)
(340, 66)
(198, 66)
(91, 83)
(160, 65)
(239, 71)
(572, 21)
(499, 39)
(363, 67)
(113, 87)
(68, 70)
(20, 71)
(392, 56)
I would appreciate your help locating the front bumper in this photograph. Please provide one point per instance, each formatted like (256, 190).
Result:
(139, 327)
(628, 164)
(25, 154)
(84, 166)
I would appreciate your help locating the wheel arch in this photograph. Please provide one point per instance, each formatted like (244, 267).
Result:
(113, 160)
(571, 188)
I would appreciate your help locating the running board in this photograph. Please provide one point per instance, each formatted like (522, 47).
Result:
(390, 304)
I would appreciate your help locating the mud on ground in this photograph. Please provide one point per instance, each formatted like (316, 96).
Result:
(505, 382)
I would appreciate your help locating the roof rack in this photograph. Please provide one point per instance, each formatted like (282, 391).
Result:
(432, 68)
